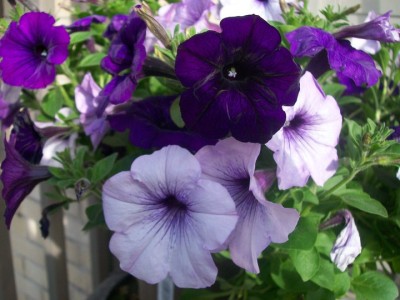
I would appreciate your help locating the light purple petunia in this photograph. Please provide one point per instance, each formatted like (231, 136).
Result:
(167, 219)
(87, 103)
(305, 146)
(348, 244)
(232, 164)
(30, 50)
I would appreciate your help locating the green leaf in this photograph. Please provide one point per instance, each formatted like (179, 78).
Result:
(334, 89)
(342, 283)
(91, 60)
(95, 216)
(362, 201)
(52, 102)
(304, 236)
(78, 37)
(320, 294)
(306, 262)
(373, 285)
(325, 276)
(103, 167)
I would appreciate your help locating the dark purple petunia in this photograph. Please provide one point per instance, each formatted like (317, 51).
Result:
(125, 60)
(237, 80)
(84, 24)
(20, 172)
(348, 62)
(117, 22)
(150, 125)
(30, 50)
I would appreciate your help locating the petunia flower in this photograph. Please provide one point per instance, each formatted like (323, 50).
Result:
(150, 125)
(232, 164)
(269, 10)
(31, 49)
(116, 24)
(87, 102)
(84, 23)
(348, 244)
(125, 60)
(344, 59)
(237, 81)
(167, 219)
(305, 146)
(9, 103)
(20, 169)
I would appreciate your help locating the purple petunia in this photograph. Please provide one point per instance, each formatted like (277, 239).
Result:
(150, 125)
(116, 24)
(87, 102)
(232, 164)
(237, 81)
(20, 169)
(305, 146)
(30, 50)
(348, 62)
(125, 60)
(167, 219)
(84, 24)
(9, 103)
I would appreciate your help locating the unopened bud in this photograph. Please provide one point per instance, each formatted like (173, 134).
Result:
(159, 32)
(81, 186)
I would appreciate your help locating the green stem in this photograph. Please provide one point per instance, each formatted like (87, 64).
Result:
(65, 68)
(343, 182)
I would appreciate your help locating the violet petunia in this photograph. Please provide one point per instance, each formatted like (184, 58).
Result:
(344, 59)
(87, 102)
(232, 164)
(116, 24)
(348, 244)
(125, 60)
(84, 23)
(305, 146)
(9, 103)
(167, 219)
(20, 169)
(150, 125)
(31, 49)
(237, 81)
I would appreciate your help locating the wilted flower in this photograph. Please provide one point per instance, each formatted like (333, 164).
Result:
(237, 80)
(232, 164)
(84, 24)
(344, 59)
(30, 50)
(87, 102)
(9, 104)
(167, 218)
(150, 125)
(125, 60)
(20, 172)
(305, 146)
(348, 244)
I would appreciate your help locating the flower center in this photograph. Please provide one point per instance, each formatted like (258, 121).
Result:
(174, 204)
(264, 1)
(41, 51)
(233, 72)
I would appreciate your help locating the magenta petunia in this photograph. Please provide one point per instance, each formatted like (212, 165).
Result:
(167, 219)
(31, 49)
(305, 146)
(232, 164)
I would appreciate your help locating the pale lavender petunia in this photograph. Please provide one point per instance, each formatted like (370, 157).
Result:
(87, 103)
(348, 244)
(232, 164)
(167, 219)
(305, 146)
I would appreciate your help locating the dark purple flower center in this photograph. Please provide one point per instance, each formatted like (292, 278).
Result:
(235, 72)
(296, 122)
(41, 51)
(174, 205)
(264, 1)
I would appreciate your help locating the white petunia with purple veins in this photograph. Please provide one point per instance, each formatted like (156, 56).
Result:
(348, 244)
(305, 146)
(232, 164)
(167, 219)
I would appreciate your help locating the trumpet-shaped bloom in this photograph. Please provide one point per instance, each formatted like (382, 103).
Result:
(150, 125)
(30, 50)
(344, 59)
(87, 102)
(125, 60)
(232, 164)
(237, 80)
(305, 146)
(20, 172)
(167, 219)
(348, 244)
